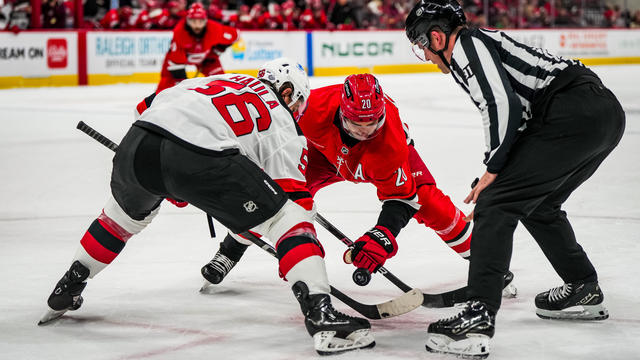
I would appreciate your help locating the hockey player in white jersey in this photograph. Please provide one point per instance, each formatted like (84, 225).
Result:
(227, 144)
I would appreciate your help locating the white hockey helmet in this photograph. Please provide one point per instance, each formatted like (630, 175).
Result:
(283, 70)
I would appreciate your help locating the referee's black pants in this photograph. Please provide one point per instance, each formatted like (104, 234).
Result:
(557, 153)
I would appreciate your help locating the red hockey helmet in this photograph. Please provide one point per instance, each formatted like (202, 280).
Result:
(362, 102)
(196, 11)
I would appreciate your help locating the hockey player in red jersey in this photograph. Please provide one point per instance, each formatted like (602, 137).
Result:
(355, 133)
(196, 41)
(229, 145)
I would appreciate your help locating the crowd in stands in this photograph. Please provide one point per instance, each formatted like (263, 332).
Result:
(314, 14)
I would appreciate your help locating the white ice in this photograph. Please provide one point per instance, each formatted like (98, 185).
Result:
(55, 180)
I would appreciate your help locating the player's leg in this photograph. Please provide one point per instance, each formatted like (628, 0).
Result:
(319, 173)
(236, 192)
(436, 209)
(301, 263)
(440, 214)
(129, 210)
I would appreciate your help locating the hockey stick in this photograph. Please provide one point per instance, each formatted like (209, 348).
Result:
(394, 307)
(446, 299)
(96, 136)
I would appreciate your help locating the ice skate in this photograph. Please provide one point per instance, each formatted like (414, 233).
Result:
(226, 258)
(333, 332)
(509, 291)
(66, 295)
(573, 301)
(216, 269)
(466, 334)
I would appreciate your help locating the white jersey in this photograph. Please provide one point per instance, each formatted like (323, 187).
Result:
(233, 111)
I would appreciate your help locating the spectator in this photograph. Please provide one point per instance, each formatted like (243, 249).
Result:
(20, 17)
(291, 15)
(343, 15)
(53, 14)
(5, 15)
(314, 17)
(635, 20)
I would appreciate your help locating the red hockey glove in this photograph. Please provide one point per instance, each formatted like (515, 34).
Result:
(178, 203)
(373, 248)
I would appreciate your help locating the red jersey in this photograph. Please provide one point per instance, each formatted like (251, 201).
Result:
(382, 161)
(188, 49)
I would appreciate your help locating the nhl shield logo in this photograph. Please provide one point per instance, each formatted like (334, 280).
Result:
(250, 206)
(344, 150)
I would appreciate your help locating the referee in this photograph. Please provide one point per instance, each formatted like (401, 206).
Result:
(549, 122)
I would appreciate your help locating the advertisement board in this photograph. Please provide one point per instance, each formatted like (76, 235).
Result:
(44, 58)
(582, 43)
(254, 48)
(361, 48)
(126, 52)
(39, 58)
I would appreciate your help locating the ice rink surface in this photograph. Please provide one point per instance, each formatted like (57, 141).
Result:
(146, 305)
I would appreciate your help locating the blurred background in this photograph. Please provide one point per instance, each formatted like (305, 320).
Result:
(16, 15)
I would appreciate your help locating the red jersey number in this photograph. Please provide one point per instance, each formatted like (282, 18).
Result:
(304, 161)
(240, 104)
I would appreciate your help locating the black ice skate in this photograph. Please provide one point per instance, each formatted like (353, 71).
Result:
(217, 268)
(333, 332)
(466, 334)
(573, 301)
(66, 294)
(509, 290)
(226, 258)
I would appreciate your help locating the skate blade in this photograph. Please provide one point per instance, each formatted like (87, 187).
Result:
(50, 315)
(205, 287)
(473, 347)
(509, 292)
(581, 312)
(326, 343)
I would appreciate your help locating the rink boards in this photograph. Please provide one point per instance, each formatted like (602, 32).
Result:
(67, 58)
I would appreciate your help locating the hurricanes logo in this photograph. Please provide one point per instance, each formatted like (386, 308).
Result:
(250, 206)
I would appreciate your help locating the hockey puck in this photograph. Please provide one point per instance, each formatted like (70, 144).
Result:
(361, 276)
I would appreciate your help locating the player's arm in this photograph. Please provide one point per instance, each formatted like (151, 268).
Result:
(491, 90)
(398, 193)
(177, 60)
(227, 36)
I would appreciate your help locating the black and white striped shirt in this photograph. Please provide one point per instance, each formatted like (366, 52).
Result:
(502, 77)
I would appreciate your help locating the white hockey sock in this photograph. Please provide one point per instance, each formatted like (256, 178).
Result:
(85, 259)
(312, 272)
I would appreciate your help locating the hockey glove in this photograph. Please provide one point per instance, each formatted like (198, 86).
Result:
(373, 248)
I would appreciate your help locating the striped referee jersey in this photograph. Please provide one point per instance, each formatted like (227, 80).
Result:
(503, 78)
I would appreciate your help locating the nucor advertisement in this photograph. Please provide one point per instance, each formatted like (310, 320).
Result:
(361, 48)
(38, 54)
(125, 53)
(365, 48)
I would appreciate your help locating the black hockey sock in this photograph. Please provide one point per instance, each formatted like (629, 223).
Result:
(232, 249)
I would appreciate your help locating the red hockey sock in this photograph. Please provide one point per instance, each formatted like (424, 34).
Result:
(439, 213)
(104, 239)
